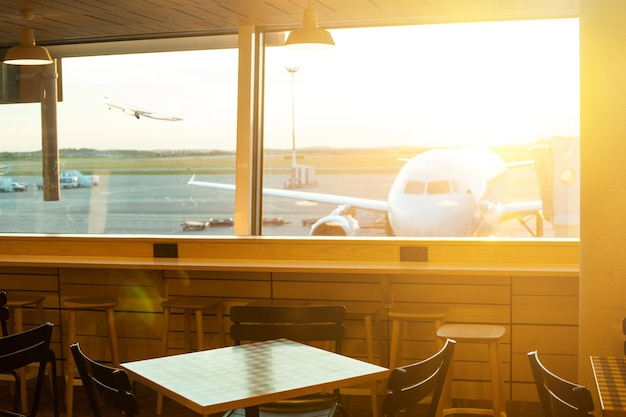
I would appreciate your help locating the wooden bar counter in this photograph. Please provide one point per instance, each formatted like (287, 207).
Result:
(530, 287)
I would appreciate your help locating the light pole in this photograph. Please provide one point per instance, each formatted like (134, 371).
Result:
(294, 176)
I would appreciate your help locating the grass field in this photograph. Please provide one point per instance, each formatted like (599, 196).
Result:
(325, 161)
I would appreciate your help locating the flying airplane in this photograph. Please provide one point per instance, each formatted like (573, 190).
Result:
(138, 112)
(447, 192)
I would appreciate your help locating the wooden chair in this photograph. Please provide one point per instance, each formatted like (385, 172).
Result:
(305, 323)
(4, 320)
(4, 313)
(12, 308)
(409, 385)
(104, 383)
(104, 304)
(21, 349)
(559, 397)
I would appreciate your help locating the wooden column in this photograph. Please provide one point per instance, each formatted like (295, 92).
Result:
(49, 142)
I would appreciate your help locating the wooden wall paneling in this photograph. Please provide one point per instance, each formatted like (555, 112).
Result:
(479, 313)
(351, 290)
(471, 380)
(566, 364)
(488, 256)
(470, 299)
(545, 309)
(470, 371)
(516, 302)
(450, 289)
(220, 284)
(545, 318)
(523, 387)
(510, 253)
(232, 287)
(137, 315)
(41, 282)
(334, 251)
(217, 250)
(335, 291)
(545, 285)
(34, 270)
(485, 299)
(546, 339)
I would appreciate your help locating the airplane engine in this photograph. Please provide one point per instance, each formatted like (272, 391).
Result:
(336, 225)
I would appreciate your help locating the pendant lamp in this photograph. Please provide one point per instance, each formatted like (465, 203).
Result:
(310, 35)
(27, 53)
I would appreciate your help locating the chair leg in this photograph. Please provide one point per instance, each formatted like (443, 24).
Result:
(396, 343)
(115, 353)
(369, 337)
(53, 382)
(18, 387)
(69, 365)
(496, 382)
(219, 318)
(199, 330)
(19, 326)
(187, 316)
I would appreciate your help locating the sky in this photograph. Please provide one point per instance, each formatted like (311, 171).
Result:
(429, 85)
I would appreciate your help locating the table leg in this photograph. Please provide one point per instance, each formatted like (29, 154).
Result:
(252, 411)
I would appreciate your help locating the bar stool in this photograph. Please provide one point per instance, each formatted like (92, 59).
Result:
(369, 314)
(73, 305)
(16, 304)
(401, 314)
(476, 333)
(190, 305)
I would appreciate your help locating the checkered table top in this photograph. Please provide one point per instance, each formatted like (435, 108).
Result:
(610, 375)
(218, 380)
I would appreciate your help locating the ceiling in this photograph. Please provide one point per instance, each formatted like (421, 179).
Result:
(58, 22)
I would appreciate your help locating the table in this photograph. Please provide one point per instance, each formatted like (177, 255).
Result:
(218, 380)
(610, 375)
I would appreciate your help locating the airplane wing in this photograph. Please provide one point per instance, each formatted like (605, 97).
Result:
(138, 112)
(364, 203)
(523, 212)
(157, 116)
(522, 207)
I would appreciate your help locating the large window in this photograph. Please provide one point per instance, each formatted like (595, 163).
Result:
(434, 130)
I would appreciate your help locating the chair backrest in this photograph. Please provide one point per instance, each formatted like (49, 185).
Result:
(28, 347)
(105, 383)
(307, 323)
(409, 385)
(559, 397)
(4, 313)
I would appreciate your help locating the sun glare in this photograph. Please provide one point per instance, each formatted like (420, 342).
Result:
(425, 85)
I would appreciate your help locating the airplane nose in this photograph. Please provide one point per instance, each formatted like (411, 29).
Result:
(426, 216)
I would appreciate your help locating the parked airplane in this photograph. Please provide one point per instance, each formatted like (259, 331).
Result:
(138, 112)
(448, 192)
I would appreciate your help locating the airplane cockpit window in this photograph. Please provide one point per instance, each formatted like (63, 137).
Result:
(438, 187)
(415, 187)
(460, 186)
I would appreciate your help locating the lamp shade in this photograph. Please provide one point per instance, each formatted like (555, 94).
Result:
(310, 35)
(27, 53)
